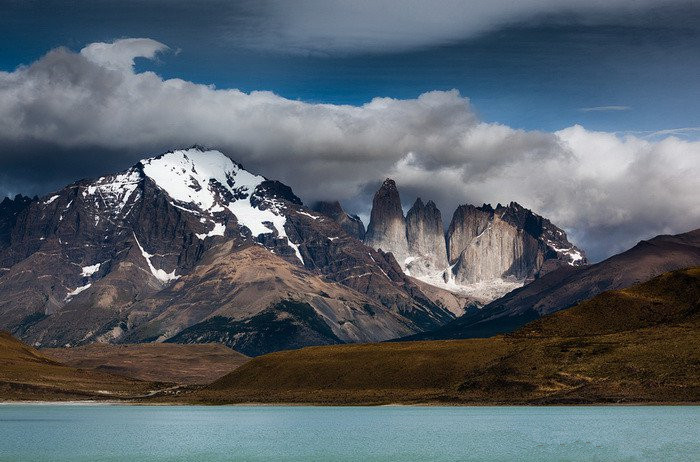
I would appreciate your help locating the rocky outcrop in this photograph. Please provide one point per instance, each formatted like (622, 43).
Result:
(387, 225)
(425, 235)
(499, 251)
(467, 222)
(350, 223)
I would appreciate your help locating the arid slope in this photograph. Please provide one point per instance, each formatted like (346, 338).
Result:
(27, 374)
(161, 362)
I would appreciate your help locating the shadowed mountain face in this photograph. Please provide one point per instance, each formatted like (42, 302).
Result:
(485, 253)
(350, 223)
(163, 246)
(636, 345)
(567, 286)
(9, 211)
(426, 238)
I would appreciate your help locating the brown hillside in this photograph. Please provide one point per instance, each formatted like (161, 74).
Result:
(27, 374)
(640, 344)
(161, 362)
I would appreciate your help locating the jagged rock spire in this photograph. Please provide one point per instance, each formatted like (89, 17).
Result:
(387, 225)
(426, 238)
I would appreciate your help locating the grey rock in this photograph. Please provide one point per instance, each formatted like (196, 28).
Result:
(387, 225)
(426, 239)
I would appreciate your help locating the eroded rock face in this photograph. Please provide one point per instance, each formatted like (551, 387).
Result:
(426, 239)
(387, 225)
(350, 223)
(467, 222)
(499, 251)
(505, 242)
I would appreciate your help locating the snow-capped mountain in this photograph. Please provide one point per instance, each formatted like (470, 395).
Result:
(126, 257)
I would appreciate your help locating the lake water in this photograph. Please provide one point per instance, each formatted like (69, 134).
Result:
(197, 433)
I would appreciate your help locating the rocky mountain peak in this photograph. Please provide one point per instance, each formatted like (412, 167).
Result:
(329, 208)
(496, 249)
(387, 201)
(387, 225)
(417, 205)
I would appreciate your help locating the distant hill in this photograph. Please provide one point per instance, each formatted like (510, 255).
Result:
(640, 345)
(156, 362)
(567, 286)
(27, 374)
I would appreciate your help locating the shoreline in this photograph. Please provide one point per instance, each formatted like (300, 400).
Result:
(311, 404)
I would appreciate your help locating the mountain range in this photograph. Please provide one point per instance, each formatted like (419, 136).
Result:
(189, 247)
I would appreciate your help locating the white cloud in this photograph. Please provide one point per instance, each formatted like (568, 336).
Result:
(121, 53)
(609, 191)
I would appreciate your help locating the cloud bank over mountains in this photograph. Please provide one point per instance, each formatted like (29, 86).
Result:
(74, 114)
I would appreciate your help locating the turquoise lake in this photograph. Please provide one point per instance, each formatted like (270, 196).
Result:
(199, 433)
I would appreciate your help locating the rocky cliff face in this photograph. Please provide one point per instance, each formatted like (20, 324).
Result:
(121, 258)
(499, 251)
(426, 239)
(505, 242)
(350, 223)
(486, 252)
(387, 225)
(467, 222)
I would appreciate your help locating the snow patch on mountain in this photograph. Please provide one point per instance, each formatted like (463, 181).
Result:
(159, 274)
(573, 254)
(218, 230)
(483, 291)
(90, 269)
(76, 291)
(51, 199)
(314, 217)
(114, 191)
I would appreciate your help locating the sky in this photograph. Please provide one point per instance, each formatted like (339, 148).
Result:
(587, 112)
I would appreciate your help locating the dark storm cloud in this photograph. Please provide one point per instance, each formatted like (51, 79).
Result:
(356, 26)
(70, 115)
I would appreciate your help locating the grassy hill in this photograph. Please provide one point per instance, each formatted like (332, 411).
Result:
(637, 345)
(27, 374)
